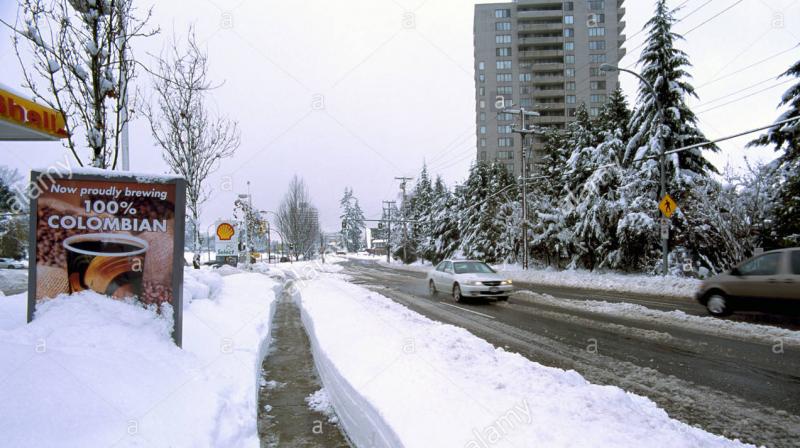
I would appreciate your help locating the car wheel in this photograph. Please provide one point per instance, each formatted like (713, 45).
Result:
(717, 305)
(431, 288)
(457, 293)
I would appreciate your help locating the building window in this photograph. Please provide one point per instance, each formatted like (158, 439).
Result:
(505, 77)
(503, 116)
(481, 78)
(482, 116)
(569, 59)
(598, 85)
(598, 98)
(594, 111)
(482, 130)
(482, 104)
(525, 77)
(481, 65)
(482, 142)
(569, 20)
(570, 99)
(481, 91)
(504, 129)
(525, 90)
(597, 58)
(569, 6)
(571, 112)
(597, 31)
(510, 168)
(595, 19)
(526, 102)
(505, 142)
(505, 90)
(569, 46)
(569, 72)
(504, 65)
(502, 13)
(502, 39)
(570, 85)
(597, 5)
(569, 32)
(505, 155)
(595, 71)
(597, 45)
(503, 52)
(502, 26)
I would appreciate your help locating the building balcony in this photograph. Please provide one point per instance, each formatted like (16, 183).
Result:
(540, 26)
(621, 26)
(541, 40)
(549, 79)
(549, 93)
(555, 119)
(620, 13)
(540, 14)
(541, 54)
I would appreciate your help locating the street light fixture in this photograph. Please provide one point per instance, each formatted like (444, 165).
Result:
(663, 152)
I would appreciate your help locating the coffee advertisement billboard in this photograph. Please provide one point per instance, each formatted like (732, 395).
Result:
(117, 235)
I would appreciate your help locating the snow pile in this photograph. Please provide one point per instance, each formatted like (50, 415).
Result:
(670, 285)
(319, 402)
(13, 312)
(200, 284)
(708, 325)
(101, 372)
(397, 378)
(13, 280)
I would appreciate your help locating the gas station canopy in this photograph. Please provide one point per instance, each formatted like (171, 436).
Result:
(23, 120)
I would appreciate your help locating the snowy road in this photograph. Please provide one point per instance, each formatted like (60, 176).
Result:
(725, 383)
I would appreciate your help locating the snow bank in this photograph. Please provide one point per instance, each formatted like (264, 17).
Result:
(200, 284)
(13, 279)
(91, 371)
(670, 285)
(396, 378)
(13, 312)
(766, 334)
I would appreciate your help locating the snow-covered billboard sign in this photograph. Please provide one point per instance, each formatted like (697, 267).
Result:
(117, 234)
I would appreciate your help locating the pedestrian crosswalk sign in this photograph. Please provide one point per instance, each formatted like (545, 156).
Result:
(667, 206)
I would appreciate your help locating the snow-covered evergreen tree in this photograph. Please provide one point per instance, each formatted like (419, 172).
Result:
(786, 138)
(420, 209)
(352, 221)
(615, 116)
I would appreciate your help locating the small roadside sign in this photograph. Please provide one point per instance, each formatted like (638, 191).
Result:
(667, 206)
(664, 228)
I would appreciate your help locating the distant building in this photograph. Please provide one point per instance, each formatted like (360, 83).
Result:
(543, 55)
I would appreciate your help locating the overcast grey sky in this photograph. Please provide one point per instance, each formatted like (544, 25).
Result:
(356, 92)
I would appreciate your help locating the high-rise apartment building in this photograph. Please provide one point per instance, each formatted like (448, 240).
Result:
(544, 56)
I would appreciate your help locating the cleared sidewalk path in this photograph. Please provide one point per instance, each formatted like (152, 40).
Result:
(285, 419)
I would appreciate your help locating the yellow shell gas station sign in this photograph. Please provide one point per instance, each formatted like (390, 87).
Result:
(22, 119)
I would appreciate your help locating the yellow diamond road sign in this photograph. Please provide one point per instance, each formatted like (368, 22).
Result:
(667, 206)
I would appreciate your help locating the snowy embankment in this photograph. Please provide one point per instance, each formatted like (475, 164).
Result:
(669, 286)
(91, 371)
(396, 378)
(714, 326)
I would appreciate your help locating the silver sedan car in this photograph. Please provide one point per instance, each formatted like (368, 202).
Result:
(468, 278)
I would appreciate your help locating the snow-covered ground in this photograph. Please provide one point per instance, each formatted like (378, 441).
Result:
(91, 371)
(703, 324)
(13, 279)
(396, 378)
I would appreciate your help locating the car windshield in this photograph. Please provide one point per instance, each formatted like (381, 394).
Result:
(472, 267)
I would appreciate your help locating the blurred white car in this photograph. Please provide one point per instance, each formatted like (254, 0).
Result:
(10, 263)
(468, 278)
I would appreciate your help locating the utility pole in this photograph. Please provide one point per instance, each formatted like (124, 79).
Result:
(389, 206)
(403, 181)
(523, 131)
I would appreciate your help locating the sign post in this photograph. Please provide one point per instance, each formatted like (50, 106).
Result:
(117, 235)
(667, 207)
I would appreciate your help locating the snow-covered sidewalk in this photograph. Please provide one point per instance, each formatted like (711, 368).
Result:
(396, 378)
(90, 371)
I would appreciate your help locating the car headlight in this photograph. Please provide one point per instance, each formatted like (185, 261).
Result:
(506, 282)
(477, 283)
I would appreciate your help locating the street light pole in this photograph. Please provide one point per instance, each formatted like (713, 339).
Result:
(523, 131)
(662, 155)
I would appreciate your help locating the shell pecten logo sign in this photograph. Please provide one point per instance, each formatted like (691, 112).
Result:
(22, 119)
(225, 231)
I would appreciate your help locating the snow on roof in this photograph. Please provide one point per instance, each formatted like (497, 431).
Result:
(109, 174)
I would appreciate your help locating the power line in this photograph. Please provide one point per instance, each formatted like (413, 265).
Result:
(738, 91)
(744, 97)
(748, 67)
(713, 17)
